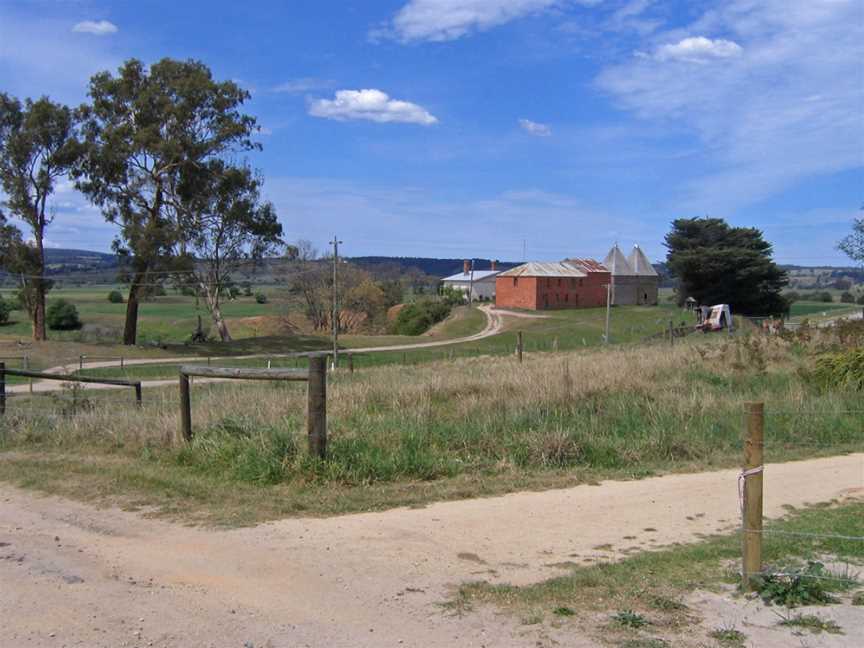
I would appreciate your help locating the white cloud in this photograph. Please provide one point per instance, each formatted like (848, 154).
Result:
(372, 105)
(785, 109)
(304, 84)
(444, 20)
(697, 48)
(95, 27)
(535, 128)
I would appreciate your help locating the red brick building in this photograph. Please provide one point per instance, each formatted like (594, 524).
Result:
(575, 283)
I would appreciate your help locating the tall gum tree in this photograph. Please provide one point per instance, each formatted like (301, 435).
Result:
(38, 146)
(141, 128)
(225, 226)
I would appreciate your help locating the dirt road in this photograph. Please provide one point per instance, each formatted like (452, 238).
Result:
(494, 325)
(71, 575)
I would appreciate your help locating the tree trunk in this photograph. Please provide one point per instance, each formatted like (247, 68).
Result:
(216, 312)
(221, 326)
(38, 315)
(130, 328)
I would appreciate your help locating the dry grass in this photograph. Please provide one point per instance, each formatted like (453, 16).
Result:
(455, 429)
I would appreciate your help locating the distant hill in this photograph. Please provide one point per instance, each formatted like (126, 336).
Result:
(62, 260)
(426, 265)
(100, 267)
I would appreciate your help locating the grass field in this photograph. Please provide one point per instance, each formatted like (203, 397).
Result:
(566, 329)
(411, 434)
(172, 318)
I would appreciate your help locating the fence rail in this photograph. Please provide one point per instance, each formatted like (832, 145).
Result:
(316, 403)
(135, 384)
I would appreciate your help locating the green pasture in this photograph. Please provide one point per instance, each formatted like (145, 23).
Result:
(566, 330)
(171, 318)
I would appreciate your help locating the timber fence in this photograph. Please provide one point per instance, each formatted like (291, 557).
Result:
(751, 481)
(66, 378)
(316, 405)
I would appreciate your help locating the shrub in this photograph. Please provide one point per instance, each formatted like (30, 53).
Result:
(452, 296)
(825, 296)
(247, 288)
(5, 310)
(844, 369)
(260, 298)
(416, 318)
(794, 587)
(847, 298)
(115, 297)
(861, 299)
(62, 316)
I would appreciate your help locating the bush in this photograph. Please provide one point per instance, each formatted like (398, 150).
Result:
(861, 300)
(260, 298)
(247, 288)
(825, 297)
(841, 370)
(115, 297)
(452, 296)
(5, 310)
(847, 298)
(62, 316)
(416, 318)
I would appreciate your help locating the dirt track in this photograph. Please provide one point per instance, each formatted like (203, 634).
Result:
(71, 575)
(494, 324)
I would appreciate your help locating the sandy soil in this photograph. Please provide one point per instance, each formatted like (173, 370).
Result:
(71, 575)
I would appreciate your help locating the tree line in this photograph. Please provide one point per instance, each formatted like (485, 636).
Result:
(161, 151)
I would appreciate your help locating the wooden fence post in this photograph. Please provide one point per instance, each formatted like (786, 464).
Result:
(671, 334)
(752, 495)
(519, 345)
(185, 408)
(316, 408)
(2, 388)
(351, 363)
(138, 399)
(555, 344)
(121, 362)
(81, 362)
(27, 368)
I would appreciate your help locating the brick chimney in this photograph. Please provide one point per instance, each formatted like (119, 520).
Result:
(466, 267)
(494, 264)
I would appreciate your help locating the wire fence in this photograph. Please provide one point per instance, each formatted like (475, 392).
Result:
(750, 495)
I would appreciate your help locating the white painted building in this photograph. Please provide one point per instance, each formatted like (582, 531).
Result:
(481, 283)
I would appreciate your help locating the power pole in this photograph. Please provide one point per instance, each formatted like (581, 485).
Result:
(471, 286)
(334, 319)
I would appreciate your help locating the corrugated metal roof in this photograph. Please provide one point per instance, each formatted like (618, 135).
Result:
(542, 269)
(478, 275)
(640, 263)
(589, 265)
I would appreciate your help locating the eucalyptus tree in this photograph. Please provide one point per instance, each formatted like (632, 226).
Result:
(224, 226)
(38, 147)
(852, 245)
(140, 129)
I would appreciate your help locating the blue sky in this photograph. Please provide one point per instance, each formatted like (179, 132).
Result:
(465, 127)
